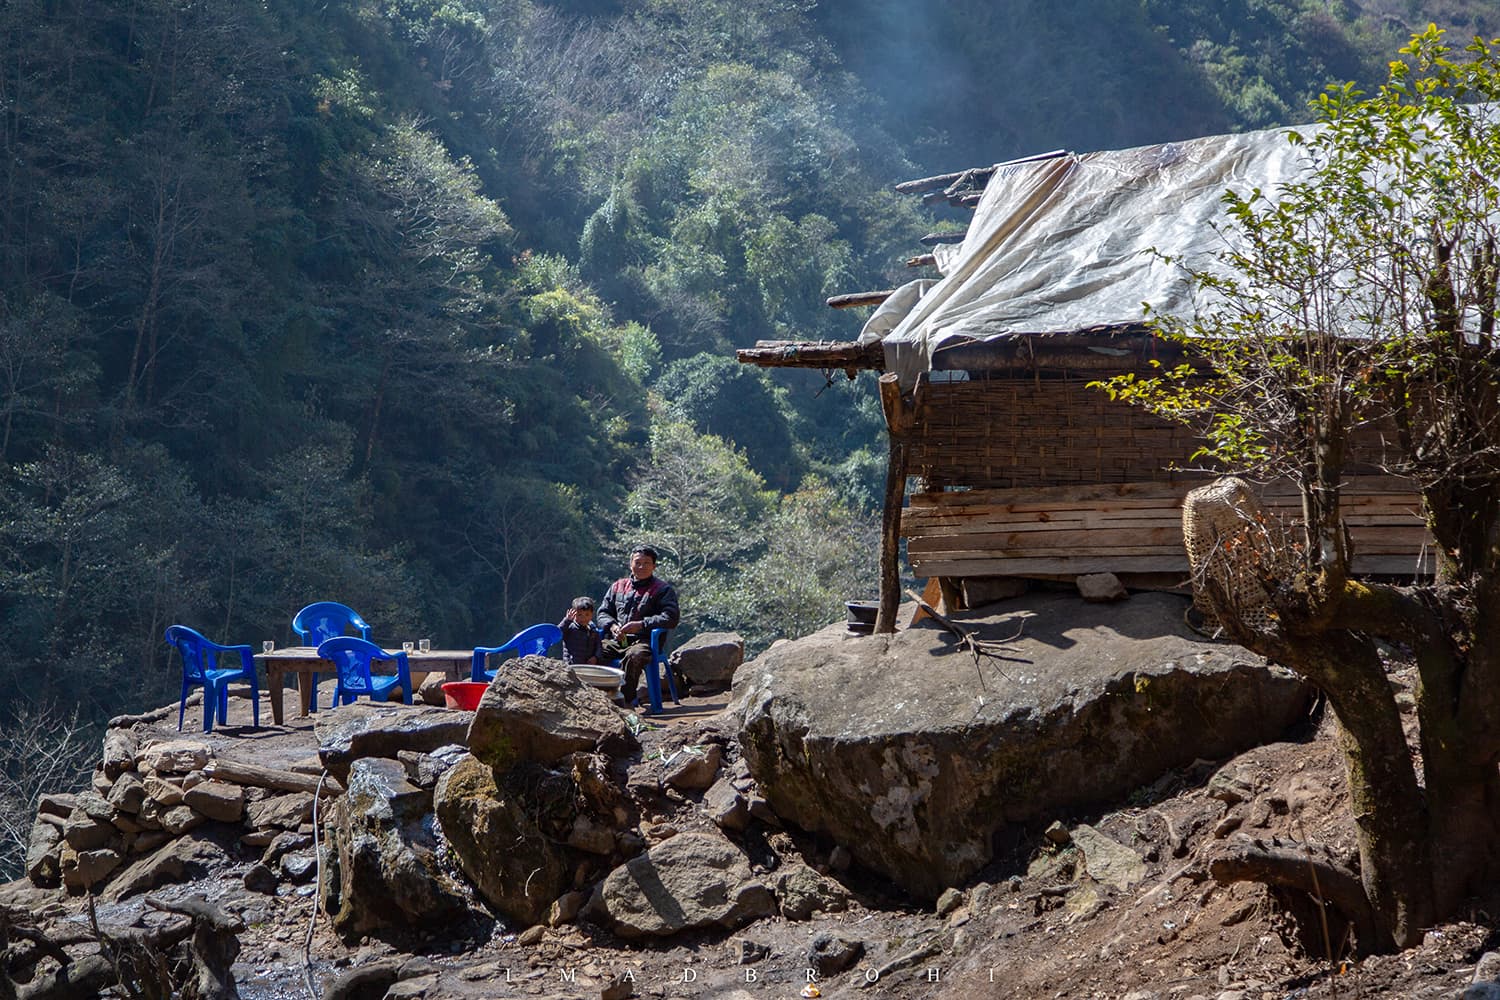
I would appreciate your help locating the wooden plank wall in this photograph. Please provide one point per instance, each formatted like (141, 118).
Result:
(1129, 528)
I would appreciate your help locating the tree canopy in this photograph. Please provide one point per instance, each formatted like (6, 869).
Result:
(1364, 296)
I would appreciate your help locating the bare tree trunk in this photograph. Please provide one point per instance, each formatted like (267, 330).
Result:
(1460, 751)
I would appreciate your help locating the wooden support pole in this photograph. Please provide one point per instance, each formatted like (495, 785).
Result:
(899, 418)
(852, 299)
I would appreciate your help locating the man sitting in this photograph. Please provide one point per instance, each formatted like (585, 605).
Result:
(632, 607)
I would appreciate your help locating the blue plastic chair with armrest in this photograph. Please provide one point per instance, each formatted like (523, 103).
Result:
(321, 621)
(657, 667)
(200, 667)
(533, 641)
(354, 657)
(654, 670)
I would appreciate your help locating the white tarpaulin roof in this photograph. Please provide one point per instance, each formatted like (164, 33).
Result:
(1068, 242)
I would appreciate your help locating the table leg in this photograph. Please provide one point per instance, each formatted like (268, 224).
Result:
(305, 691)
(274, 681)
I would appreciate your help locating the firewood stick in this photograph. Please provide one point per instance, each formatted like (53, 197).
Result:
(240, 773)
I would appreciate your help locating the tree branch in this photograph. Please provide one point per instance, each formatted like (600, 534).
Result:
(1308, 868)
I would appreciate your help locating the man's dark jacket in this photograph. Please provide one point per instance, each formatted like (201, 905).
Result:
(652, 601)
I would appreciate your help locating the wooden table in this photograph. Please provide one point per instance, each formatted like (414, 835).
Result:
(304, 662)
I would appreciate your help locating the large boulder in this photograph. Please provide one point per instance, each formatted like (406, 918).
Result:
(43, 854)
(692, 880)
(386, 871)
(912, 754)
(174, 756)
(181, 859)
(280, 812)
(86, 869)
(537, 710)
(517, 865)
(709, 659)
(383, 729)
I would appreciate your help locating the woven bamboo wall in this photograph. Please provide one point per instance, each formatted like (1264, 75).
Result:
(1010, 433)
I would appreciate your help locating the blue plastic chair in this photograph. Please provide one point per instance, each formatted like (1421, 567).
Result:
(656, 667)
(533, 641)
(321, 621)
(353, 656)
(200, 667)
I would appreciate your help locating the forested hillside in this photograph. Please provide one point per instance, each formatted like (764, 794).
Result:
(428, 306)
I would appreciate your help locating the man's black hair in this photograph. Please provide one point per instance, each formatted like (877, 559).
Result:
(646, 550)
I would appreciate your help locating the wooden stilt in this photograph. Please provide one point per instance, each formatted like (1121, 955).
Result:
(898, 422)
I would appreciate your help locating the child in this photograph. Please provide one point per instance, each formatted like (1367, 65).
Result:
(581, 643)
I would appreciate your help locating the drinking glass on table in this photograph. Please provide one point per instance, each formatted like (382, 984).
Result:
(406, 646)
(425, 645)
(268, 646)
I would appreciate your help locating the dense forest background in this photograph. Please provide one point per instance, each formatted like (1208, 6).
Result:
(429, 306)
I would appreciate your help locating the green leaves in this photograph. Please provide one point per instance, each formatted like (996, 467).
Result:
(1362, 295)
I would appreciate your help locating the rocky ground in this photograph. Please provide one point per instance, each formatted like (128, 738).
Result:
(1112, 904)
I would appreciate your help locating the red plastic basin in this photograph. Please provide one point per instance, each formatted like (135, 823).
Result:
(464, 695)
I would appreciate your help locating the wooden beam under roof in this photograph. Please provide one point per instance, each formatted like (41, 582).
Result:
(821, 355)
(924, 184)
(976, 174)
(849, 300)
(1100, 349)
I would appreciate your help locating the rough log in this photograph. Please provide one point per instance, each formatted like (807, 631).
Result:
(974, 176)
(962, 194)
(18, 956)
(1309, 868)
(853, 299)
(979, 176)
(794, 354)
(215, 946)
(155, 715)
(933, 239)
(87, 977)
(924, 184)
(239, 772)
(123, 953)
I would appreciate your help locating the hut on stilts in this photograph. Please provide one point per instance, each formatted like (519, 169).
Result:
(1018, 469)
